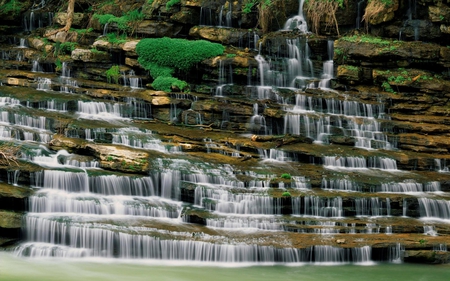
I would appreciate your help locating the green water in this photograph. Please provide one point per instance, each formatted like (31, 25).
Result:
(13, 268)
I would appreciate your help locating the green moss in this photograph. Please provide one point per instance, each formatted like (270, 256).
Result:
(165, 84)
(286, 176)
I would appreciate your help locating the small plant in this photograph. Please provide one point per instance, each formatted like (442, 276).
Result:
(11, 7)
(286, 176)
(387, 87)
(171, 3)
(113, 74)
(286, 194)
(166, 83)
(67, 47)
(109, 158)
(230, 56)
(58, 65)
(113, 38)
(422, 242)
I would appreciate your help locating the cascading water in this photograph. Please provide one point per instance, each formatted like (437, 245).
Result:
(298, 22)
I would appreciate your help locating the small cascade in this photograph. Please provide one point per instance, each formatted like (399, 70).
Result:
(429, 230)
(105, 29)
(340, 184)
(223, 201)
(317, 206)
(274, 155)
(23, 43)
(136, 108)
(134, 138)
(360, 12)
(297, 22)
(440, 165)
(410, 186)
(206, 17)
(225, 79)
(192, 117)
(328, 67)
(440, 247)
(67, 83)
(130, 80)
(382, 163)
(36, 67)
(228, 21)
(349, 162)
(257, 123)
(372, 207)
(99, 110)
(245, 223)
(44, 84)
(433, 208)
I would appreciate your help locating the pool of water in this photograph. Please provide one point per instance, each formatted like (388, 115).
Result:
(14, 269)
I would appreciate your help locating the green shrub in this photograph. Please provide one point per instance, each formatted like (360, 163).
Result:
(286, 176)
(286, 194)
(65, 48)
(113, 74)
(175, 53)
(165, 84)
(162, 56)
(113, 38)
(11, 7)
(125, 22)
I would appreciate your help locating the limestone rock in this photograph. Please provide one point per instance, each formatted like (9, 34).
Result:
(130, 47)
(10, 220)
(161, 100)
(61, 19)
(440, 13)
(61, 36)
(386, 14)
(230, 36)
(89, 56)
(158, 28)
(348, 73)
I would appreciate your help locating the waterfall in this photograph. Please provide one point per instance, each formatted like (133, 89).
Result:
(433, 208)
(297, 22)
(328, 67)
(225, 78)
(67, 83)
(36, 67)
(340, 184)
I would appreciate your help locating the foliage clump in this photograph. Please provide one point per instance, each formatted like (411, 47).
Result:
(113, 74)
(163, 56)
(125, 23)
(286, 176)
(286, 194)
(10, 7)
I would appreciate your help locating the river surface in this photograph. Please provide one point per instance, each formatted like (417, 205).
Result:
(14, 269)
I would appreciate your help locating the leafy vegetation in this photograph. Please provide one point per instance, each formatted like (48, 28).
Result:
(116, 39)
(11, 8)
(125, 23)
(286, 194)
(166, 83)
(286, 176)
(113, 74)
(163, 56)
(171, 3)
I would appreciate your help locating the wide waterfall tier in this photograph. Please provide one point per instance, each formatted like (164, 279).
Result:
(319, 118)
